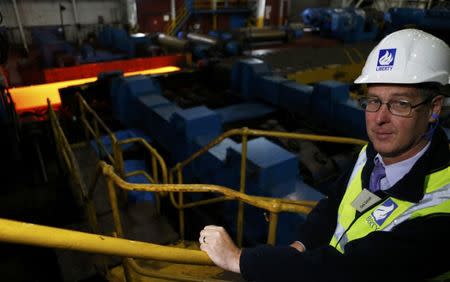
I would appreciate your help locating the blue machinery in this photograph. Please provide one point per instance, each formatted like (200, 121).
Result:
(352, 25)
(348, 25)
(137, 102)
(432, 19)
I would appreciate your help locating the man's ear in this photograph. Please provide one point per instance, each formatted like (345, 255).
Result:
(436, 106)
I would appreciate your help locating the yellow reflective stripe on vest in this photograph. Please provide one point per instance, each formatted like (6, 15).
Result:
(391, 212)
(435, 200)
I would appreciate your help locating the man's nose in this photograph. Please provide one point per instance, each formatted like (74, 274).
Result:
(383, 114)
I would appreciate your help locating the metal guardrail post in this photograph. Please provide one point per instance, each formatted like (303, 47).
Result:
(240, 219)
(273, 223)
(180, 205)
(117, 223)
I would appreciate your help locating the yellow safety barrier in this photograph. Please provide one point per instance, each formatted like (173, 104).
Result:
(93, 132)
(244, 133)
(274, 206)
(51, 237)
(69, 160)
(115, 175)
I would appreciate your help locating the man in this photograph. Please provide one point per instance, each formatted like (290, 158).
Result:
(389, 218)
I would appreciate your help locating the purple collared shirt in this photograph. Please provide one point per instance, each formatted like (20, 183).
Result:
(395, 172)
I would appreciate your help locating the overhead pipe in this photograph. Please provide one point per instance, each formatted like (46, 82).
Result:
(202, 38)
(260, 13)
(75, 12)
(19, 23)
(172, 42)
(214, 8)
(173, 13)
(77, 22)
(131, 10)
(280, 13)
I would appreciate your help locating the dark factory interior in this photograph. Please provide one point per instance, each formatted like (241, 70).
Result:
(129, 125)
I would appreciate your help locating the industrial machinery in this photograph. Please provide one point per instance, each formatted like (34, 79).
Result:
(348, 25)
(225, 44)
(435, 20)
(282, 169)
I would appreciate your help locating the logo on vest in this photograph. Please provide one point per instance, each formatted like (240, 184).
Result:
(381, 213)
(386, 58)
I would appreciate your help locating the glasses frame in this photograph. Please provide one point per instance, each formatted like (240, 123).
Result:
(388, 104)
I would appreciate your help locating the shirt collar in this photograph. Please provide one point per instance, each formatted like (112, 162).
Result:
(394, 172)
(411, 187)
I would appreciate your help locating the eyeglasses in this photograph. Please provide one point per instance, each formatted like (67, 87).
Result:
(396, 107)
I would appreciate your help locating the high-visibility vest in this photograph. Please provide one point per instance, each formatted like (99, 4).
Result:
(384, 216)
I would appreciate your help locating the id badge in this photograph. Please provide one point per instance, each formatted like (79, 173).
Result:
(365, 200)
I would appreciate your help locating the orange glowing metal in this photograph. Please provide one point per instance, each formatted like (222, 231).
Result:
(154, 71)
(28, 98)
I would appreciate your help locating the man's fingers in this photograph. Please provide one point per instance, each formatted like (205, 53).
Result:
(204, 247)
(299, 246)
(213, 227)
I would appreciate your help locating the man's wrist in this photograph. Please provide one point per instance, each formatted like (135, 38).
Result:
(235, 265)
(299, 246)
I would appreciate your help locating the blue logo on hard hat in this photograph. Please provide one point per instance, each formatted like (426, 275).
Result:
(381, 213)
(386, 58)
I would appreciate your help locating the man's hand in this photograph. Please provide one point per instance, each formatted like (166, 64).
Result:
(299, 246)
(216, 242)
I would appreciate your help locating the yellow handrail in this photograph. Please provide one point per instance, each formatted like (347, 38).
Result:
(65, 150)
(267, 203)
(244, 133)
(273, 205)
(44, 236)
(117, 158)
(94, 131)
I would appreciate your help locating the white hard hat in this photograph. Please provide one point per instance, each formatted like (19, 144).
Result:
(408, 56)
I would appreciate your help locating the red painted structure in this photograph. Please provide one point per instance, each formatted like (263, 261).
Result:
(130, 65)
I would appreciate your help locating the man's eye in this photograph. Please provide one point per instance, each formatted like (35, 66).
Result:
(400, 104)
(373, 101)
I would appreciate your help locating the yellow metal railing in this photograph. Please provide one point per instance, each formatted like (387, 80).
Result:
(96, 130)
(69, 160)
(51, 237)
(273, 205)
(244, 133)
(159, 167)
(91, 243)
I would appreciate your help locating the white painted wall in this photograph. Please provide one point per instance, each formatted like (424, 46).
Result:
(46, 12)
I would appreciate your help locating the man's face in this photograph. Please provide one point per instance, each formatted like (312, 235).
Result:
(397, 138)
